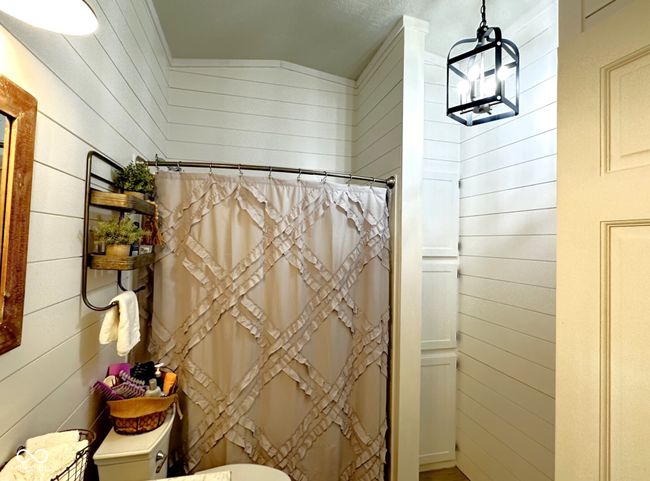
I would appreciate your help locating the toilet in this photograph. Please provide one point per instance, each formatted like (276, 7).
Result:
(143, 457)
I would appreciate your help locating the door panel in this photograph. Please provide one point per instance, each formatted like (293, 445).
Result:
(603, 306)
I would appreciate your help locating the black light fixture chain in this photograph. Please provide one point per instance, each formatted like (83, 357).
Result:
(483, 19)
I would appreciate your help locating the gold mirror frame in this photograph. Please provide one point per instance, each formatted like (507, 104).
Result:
(17, 164)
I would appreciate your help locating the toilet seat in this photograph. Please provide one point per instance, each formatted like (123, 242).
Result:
(250, 472)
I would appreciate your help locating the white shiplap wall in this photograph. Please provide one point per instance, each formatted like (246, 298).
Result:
(506, 370)
(260, 112)
(439, 272)
(106, 92)
(387, 140)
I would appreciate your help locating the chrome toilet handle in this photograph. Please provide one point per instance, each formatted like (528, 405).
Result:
(161, 458)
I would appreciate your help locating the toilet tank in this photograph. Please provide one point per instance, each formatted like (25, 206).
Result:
(135, 457)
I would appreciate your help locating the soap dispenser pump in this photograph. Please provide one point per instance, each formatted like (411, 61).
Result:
(154, 390)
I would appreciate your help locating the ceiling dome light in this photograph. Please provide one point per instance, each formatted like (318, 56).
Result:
(485, 73)
(70, 17)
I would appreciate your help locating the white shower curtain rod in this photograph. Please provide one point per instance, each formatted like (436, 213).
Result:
(389, 182)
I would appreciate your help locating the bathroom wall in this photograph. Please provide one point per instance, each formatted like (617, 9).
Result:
(389, 126)
(440, 199)
(507, 284)
(260, 112)
(106, 92)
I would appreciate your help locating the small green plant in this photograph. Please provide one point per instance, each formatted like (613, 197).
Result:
(136, 177)
(116, 231)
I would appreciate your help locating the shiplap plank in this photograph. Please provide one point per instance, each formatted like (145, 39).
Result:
(381, 128)
(528, 125)
(252, 89)
(493, 446)
(246, 122)
(271, 75)
(533, 452)
(257, 155)
(56, 192)
(529, 173)
(531, 348)
(536, 376)
(530, 425)
(541, 196)
(529, 148)
(523, 247)
(282, 109)
(470, 452)
(521, 320)
(540, 222)
(437, 150)
(540, 299)
(521, 271)
(49, 403)
(515, 391)
(272, 141)
(53, 237)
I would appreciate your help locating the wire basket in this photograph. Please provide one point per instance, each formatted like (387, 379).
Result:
(77, 469)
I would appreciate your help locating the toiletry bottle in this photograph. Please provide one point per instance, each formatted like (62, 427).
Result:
(159, 376)
(154, 390)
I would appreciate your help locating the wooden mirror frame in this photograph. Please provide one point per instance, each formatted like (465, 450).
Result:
(17, 165)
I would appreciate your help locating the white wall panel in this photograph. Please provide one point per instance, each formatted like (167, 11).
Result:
(439, 304)
(437, 411)
(506, 379)
(104, 92)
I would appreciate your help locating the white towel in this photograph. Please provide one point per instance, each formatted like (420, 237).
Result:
(122, 323)
(51, 439)
(42, 464)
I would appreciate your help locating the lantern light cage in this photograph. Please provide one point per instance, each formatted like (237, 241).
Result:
(483, 77)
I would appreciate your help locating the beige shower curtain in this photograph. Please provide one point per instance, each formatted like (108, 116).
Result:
(271, 301)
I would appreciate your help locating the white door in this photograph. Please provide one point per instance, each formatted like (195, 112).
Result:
(603, 310)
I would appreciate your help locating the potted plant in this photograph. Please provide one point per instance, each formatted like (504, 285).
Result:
(136, 179)
(118, 235)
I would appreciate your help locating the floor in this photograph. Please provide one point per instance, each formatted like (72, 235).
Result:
(452, 474)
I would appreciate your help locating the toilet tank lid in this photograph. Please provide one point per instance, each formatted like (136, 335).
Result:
(122, 445)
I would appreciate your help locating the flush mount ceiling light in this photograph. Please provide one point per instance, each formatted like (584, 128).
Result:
(483, 77)
(70, 17)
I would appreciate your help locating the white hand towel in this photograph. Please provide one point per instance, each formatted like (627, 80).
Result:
(51, 439)
(122, 323)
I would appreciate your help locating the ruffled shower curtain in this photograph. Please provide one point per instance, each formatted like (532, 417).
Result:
(271, 301)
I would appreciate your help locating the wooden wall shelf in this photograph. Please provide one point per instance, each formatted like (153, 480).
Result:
(112, 263)
(123, 202)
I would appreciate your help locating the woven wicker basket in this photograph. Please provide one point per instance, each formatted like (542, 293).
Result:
(140, 415)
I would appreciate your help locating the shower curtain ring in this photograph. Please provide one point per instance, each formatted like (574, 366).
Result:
(178, 166)
(350, 180)
(299, 174)
(210, 168)
(156, 163)
(324, 179)
(241, 173)
(270, 172)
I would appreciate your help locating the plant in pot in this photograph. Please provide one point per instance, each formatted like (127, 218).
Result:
(136, 179)
(118, 235)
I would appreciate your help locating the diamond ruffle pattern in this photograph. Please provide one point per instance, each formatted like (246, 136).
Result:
(281, 218)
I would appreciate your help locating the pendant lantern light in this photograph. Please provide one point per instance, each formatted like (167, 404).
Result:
(483, 77)
(70, 17)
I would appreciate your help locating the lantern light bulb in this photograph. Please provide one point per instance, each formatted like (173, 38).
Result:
(504, 73)
(463, 88)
